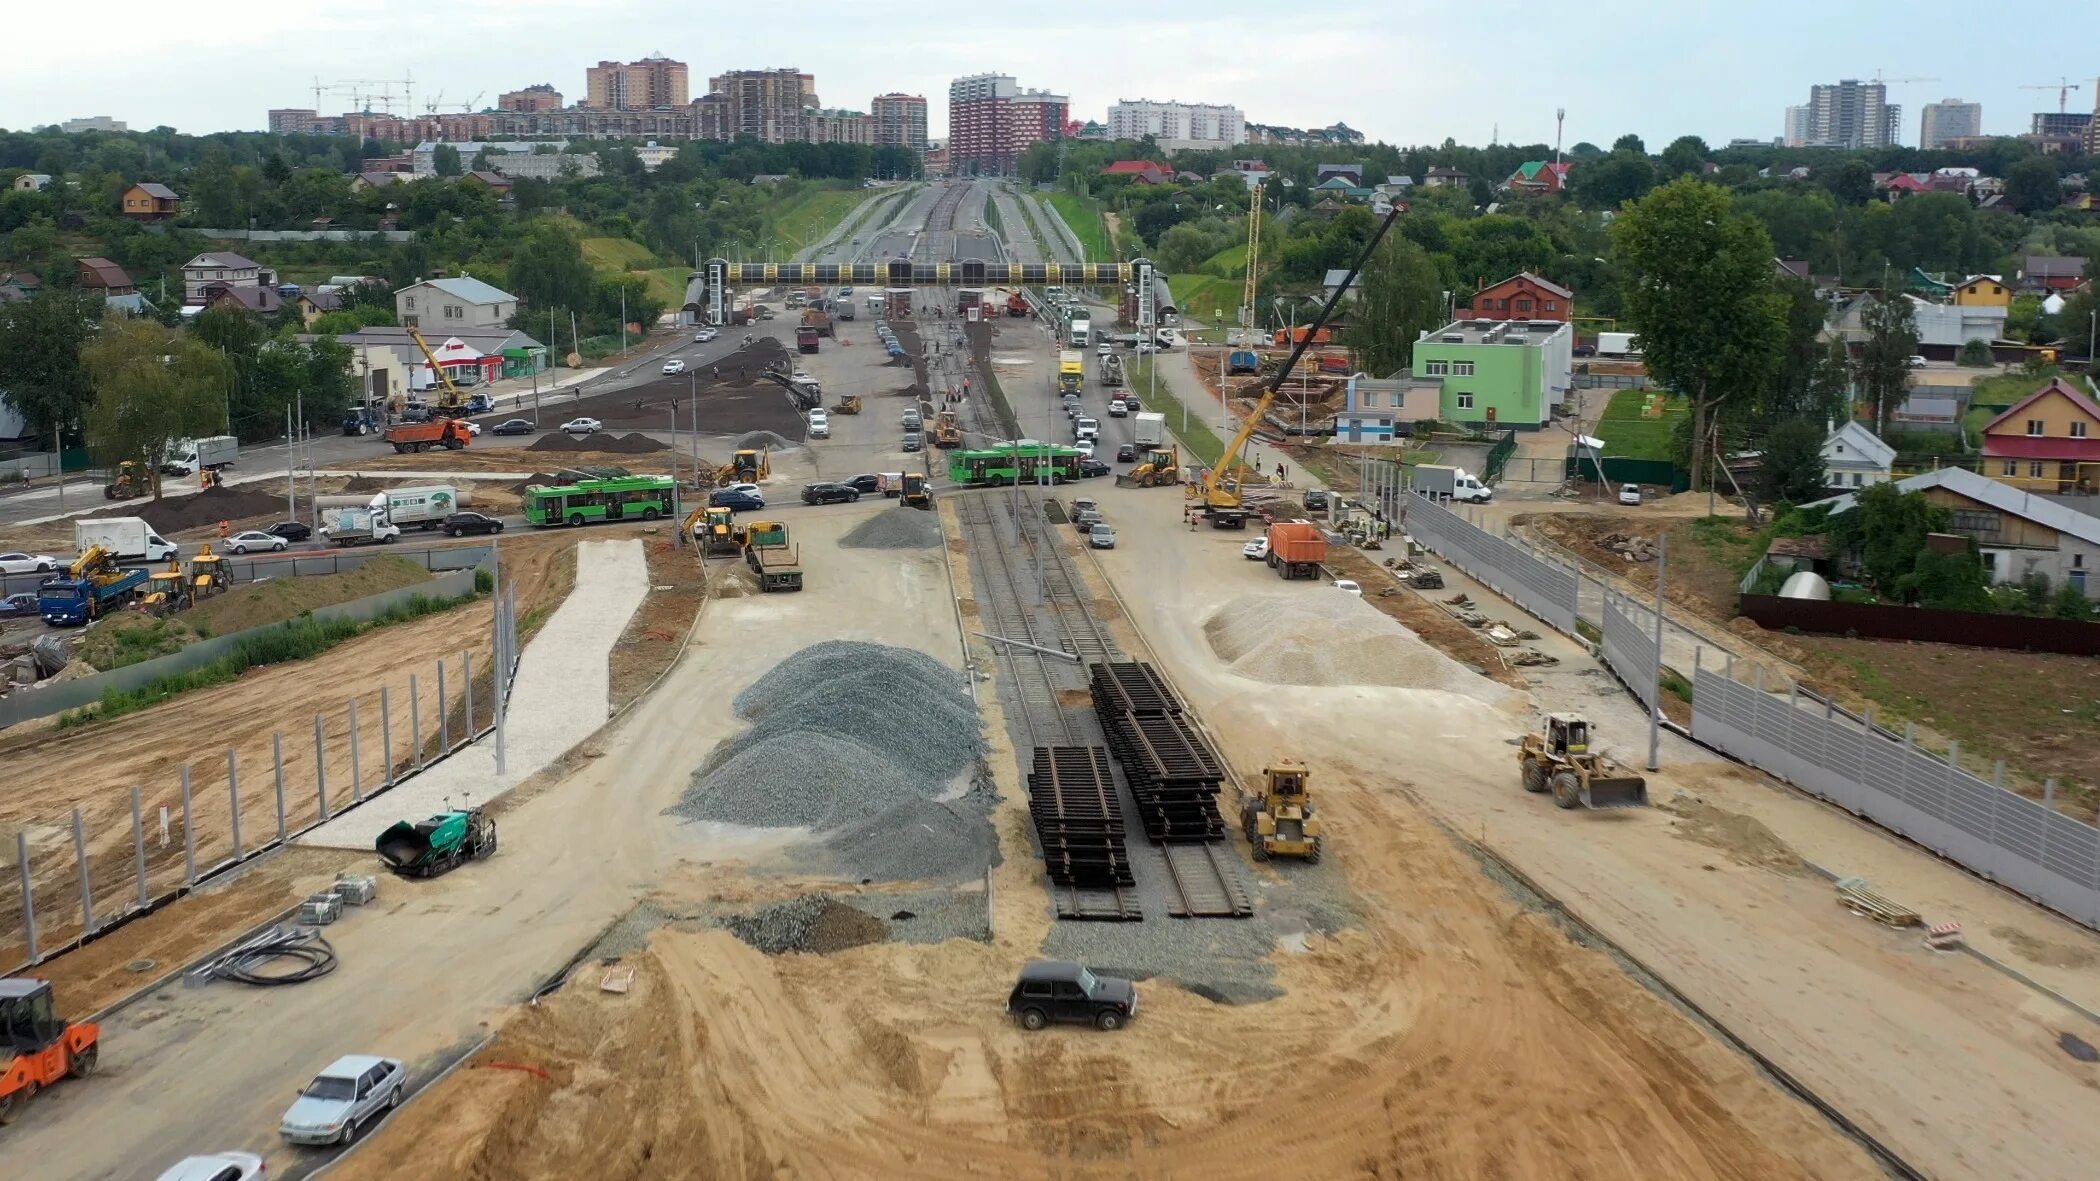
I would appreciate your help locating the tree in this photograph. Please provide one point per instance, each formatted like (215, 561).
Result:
(1629, 143)
(1792, 468)
(2032, 186)
(40, 368)
(1886, 529)
(1850, 180)
(1698, 286)
(1400, 298)
(1975, 354)
(1883, 367)
(1686, 156)
(2071, 603)
(445, 158)
(1614, 180)
(1797, 388)
(154, 386)
(548, 270)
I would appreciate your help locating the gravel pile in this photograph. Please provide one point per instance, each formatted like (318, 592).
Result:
(918, 840)
(815, 923)
(899, 528)
(603, 442)
(1325, 637)
(753, 440)
(797, 777)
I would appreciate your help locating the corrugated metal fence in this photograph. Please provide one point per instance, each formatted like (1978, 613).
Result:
(1629, 645)
(1544, 587)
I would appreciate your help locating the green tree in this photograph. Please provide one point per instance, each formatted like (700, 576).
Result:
(1629, 143)
(2023, 320)
(1850, 180)
(548, 271)
(1698, 286)
(1798, 389)
(445, 158)
(153, 385)
(40, 367)
(1401, 297)
(1883, 367)
(1886, 529)
(1613, 181)
(2071, 603)
(1975, 354)
(1686, 156)
(1792, 467)
(2032, 187)
(1947, 582)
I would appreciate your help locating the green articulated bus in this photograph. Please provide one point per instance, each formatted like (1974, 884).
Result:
(626, 498)
(1013, 465)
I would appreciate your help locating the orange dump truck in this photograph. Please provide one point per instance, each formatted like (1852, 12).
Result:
(449, 433)
(1296, 549)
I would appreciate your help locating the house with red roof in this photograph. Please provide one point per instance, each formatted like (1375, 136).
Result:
(1523, 296)
(2048, 442)
(1538, 176)
(1141, 172)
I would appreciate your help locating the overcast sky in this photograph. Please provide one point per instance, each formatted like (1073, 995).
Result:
(1405, 71)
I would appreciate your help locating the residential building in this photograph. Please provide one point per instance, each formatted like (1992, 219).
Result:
(390, 365)
(378, 180)
(1175, 126)
(840, 127)
(423, 157)
(313, 305)
(1523, 296)
(1443, 177)
(2048, 442)
(1854, 457)
(1499, 373)
(543, 165)
(2017, 533)
(1381, 410)
(1797, 127)
(449, 305)
(30, 182)
(493, 180)
(147, 201)
(105, 278)
(1395, 187)
(770, 106)
(1949, 118)
(1538, 176)
(1339, 188)
(653, 156)
(1942, 327)
(937, 159)
(93, 123)
(1851, 114)
(293, 121)
(1983, 291)
(262, 301)
(1141, 172)
(532, 99)
(2054, 272)
(900, 120)
(16, 286)
(991, 121)
(223, 269)
(651, 84)
(1353, 173)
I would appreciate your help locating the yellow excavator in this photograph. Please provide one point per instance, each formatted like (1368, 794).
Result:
(131, 479)
(713, 530)
(1219, 494)
(168, 591)
(451, 403)
(1160, 466)
(744, 467)
(207, 573)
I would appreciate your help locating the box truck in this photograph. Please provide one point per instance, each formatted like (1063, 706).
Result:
(1451, 482)
(1618, 344)
(127, 537)
(1150, 428)
(190, 456)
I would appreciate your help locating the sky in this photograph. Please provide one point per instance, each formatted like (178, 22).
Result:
(1402, 71)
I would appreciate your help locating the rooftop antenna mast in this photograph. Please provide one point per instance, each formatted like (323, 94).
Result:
(1560, 124)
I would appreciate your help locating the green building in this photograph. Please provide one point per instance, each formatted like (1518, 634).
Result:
(1499, 373)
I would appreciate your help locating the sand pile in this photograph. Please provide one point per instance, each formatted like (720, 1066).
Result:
(1321, 636)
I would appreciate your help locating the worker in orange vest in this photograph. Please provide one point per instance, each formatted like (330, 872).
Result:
(224, 529)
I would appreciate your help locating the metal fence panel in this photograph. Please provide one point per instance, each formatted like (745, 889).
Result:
(1629, 646)
(1884, 777)
(1546, 589)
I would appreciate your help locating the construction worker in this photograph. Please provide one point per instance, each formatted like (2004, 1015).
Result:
(225, 528)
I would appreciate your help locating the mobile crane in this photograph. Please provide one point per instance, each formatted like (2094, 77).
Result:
(1223, 506)
(452, 404)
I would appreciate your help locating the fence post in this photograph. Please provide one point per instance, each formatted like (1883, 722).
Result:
(444, 713)
(386, 734)
(277, 759)
(233, 796)
(2041, 855)
(138, 845)
(467, 674)
(321, 766)
(87, 888)
(28, 897)
(357, 771)
(1910, 757)
(415, 719)
(1953, 769)
(189, 835)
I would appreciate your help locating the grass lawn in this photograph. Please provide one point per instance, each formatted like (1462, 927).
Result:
(1629, 434)
(811, 214)
(2005, 389)
(1206, 297)
(1085, 219)
(1229, 263)
(617, 254)
(1202, 442)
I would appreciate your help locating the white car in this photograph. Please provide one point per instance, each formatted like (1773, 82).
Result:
(706, 335)
(241, 543)
(747, 489)
(1629, 494)
(473, 428)
(1086, 447)
(353, 1091)
(18, 563)
(219, 1166)
(819, 424)
(1348, 586)
(582, 426)
(1256, 550)
(1117, 408)
(674, 365)
(1919, 362)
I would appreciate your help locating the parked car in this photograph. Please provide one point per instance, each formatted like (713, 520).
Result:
(1349, 586)
(1629, 494)
(706, 335)
(1091, 467)
(1919, 362)
(1126, 453)
(674, 365)
(350, 1093)
(819, 424)
(461, 524)
(21, 563)
(736, 500)
(914, 441)
(218, 1166)
(582, 426)
(912, 421)
(1056, 990)
(512, 426)
(1085, 518)
(291, 530)
(1585, 350)
(1256, 550)
(829, 493)
(18, 606)
(242, 542)
(1316, 501)
(865, 482)
(1101, 537)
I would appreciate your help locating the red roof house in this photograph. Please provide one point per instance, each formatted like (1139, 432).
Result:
(1143, 172)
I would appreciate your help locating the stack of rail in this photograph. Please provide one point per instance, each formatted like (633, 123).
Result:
(1079, 821)
(1173, 772)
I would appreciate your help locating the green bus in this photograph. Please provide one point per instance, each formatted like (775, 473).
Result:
(1014, 465)
(625, 498)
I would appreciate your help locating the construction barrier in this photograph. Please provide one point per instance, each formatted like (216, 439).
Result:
(1629, 645)
(1544, 587)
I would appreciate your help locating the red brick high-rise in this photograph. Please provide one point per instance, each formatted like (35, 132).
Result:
(991, 121)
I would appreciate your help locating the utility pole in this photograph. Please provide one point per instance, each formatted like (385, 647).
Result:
(623, 319)
(1655, 710)
(291, 479)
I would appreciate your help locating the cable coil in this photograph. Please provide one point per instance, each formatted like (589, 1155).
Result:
(285, 955)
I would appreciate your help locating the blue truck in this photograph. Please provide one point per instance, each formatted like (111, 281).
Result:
(73, 601)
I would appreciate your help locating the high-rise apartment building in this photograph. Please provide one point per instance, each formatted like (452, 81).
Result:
(653, 83)
(1796, 127)
(1851, 114)
(532, 99)
(1175, 126)
(900, 121)
(991, 121)
(1949, 118)
(840, 127)
(771, 106)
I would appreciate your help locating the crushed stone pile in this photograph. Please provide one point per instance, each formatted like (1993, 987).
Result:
(1325, 637)
(815, 923)
(918, 840)
(604, 442)
(770, 441)
(898, 528)
(796, 777)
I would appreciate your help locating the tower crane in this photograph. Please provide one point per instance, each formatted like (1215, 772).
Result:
(1253, 261)
(2063, 88)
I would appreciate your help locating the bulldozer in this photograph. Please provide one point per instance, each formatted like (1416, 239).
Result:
(1561, 761)
(441, 844)
(38, 1047)
(1161, 466)
(1281, 821)
(131, 479)
(850, 404)
(744, 467)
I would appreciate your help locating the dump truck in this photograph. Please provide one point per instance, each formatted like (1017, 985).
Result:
(1286, 337)
(1561, 761)
(777, 564)
(1149, 428)
(92, 587)
(446, 841)
(1241, 361)
(1296, 549)
(805, 339)
(38, 1048)
(1281, 821)
(448, 433)
(1017, 305)
(125, 538)
(817, 319)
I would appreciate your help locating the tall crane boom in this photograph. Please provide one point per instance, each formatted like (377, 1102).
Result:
(2063, 88)
(454, 404)
(1253, 260)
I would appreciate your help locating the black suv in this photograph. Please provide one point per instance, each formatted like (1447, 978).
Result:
(461, 524)
(866, 482)
(828, 493)
(1055, 990)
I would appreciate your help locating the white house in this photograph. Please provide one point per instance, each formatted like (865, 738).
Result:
(448, 305)
(1854, 457)
(222, 268)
